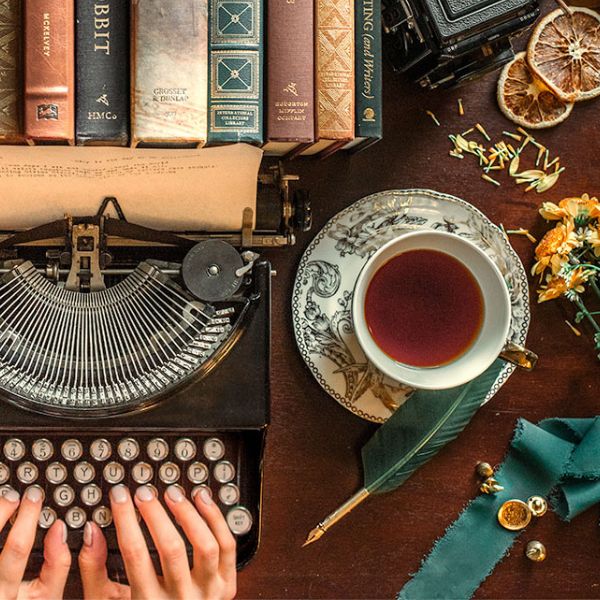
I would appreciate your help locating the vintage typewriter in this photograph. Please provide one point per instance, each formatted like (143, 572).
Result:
(138, 356)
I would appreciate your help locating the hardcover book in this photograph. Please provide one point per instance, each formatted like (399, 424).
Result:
(169, 73)
(102, 66)
(368, 77)
(236, 71)
(290, 75)
(11, 31)
(49, 71)
(334, 75)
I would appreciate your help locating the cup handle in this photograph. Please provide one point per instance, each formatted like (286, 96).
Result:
(520, 356)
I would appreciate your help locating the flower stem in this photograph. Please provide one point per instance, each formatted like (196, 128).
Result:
(586, 313)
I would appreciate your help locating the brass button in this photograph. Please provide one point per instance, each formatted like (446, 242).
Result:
(514, 515)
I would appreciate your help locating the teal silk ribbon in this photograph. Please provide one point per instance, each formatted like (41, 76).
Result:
(556, 457)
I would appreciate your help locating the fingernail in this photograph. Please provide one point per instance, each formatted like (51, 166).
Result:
(64, 532)
(119, 494)
(33, 494)
(144, 493)
(206, 496)
(174, 493)
(11, 496)
(88, 534)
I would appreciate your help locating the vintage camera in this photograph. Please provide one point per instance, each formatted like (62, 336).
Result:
(442, 43)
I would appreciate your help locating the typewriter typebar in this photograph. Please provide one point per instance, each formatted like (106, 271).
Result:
(140, 357)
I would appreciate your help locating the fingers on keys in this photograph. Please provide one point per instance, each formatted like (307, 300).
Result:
(57, 561)
(134, 551)
(19, 542)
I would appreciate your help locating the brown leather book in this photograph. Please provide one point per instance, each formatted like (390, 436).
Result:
(335, 71)
(290, 64)
(49, 71)
(11, 30)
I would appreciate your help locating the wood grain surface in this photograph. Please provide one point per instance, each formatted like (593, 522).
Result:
(312, 456)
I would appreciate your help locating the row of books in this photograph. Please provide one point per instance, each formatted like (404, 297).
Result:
(184, 73)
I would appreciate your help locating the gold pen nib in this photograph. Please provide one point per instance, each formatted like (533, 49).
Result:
(314, 535)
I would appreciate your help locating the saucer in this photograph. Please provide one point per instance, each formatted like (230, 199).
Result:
(329, 268)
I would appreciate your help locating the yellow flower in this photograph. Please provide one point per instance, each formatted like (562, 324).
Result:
(592, 237)
(571, 208)
(554, 247)
(557, 285)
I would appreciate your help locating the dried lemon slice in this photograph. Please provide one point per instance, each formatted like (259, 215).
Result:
(564, 52)
(525, 100)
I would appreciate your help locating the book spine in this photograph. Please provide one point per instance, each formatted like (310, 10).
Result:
(169, 73)
(335, 69)
(11, 39)
(369, 61)
(235, 101)
(49, 71)
(102, 66)
(290, 71)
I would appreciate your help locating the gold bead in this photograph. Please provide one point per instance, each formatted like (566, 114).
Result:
(484, 470)
(536, 551)
(514, 515)
(490, 486)
(537, 505)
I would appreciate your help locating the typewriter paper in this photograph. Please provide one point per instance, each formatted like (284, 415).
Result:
(178, 190)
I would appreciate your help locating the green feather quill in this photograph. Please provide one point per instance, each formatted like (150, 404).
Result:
(419, 429)
(415, 433)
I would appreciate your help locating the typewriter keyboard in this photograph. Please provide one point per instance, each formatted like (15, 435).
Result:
(76, 474)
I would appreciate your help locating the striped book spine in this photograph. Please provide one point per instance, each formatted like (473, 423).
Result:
(11, 34)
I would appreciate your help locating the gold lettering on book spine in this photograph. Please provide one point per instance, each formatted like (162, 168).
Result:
(335, 69)
(10, 68)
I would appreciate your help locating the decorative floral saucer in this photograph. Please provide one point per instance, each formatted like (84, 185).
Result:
(322, 297)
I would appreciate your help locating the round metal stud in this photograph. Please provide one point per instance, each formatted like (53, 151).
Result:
(514, 515)
(484, 470)
(536, 551)
(538, 506)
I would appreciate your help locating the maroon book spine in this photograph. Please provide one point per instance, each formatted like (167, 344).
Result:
(290, 60)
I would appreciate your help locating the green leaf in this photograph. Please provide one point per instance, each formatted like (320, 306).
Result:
(419, 429)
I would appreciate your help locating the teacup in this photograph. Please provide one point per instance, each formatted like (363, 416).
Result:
(488, 329)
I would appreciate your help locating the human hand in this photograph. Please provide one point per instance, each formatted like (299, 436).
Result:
(13, 560)
(213, 575)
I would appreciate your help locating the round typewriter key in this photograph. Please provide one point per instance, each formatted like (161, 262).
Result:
(198, 488)
(71, 449)
(4, 489)
(64, 495)
(157, 449)
(84, 472)
(169, 472)
(128, 449)
(47, 517)
(100, 449)
(185, 449)
(114, 472)
(141, 472)
(91, 494)
(27, 472)
(56, 472)
(14, 449)
(224, 471)
(197, 472)
(4, 473)
(39, 487)
(42, 449)
(209, 270)
(214, 449)
(75, 517)
(102, 516)
(239, 520)
(229, 494)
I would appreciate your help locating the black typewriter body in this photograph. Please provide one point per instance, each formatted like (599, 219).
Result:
(137, 356)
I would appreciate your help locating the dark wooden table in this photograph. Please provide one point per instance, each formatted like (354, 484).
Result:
(312, 455)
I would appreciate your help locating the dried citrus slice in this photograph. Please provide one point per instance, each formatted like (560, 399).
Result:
(525, 100)
(564, 52)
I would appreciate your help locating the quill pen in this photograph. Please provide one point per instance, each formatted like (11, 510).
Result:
(417, 431)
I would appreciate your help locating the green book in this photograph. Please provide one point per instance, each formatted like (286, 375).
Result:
(235, 63)
(368, 78)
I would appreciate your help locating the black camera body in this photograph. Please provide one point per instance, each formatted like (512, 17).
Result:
(442, 43)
